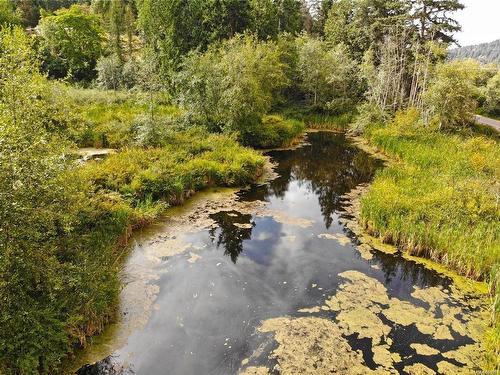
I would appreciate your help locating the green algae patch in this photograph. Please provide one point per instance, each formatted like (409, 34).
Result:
(254, 370)
(315, 345)
(312, 346)
(340, 237)
(418, 369)
(424, 349)
(463, 283)
(311, 310)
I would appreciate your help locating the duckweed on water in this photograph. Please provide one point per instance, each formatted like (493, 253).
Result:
(341, 238)
(315, 345)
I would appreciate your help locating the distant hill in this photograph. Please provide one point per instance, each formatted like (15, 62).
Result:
(484, 52)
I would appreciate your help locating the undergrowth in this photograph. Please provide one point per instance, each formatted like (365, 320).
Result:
(110, 118)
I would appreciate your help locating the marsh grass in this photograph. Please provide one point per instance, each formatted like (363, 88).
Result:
(321, 120)
(275, 131)
(439, 199)
(188, 162)
(108, 118)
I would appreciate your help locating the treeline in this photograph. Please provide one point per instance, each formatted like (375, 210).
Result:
(484, 52)
(187, 81)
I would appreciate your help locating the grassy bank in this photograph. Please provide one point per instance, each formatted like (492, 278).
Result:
(79, 256)
(107, 118)
(276, 131)
(439, 199)
(318, 119)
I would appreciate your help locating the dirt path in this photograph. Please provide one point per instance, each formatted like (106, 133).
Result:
(495, 124)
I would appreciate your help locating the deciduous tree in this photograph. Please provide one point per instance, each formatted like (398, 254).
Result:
(72, 41)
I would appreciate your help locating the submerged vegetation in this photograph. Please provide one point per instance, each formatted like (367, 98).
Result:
(179, 92)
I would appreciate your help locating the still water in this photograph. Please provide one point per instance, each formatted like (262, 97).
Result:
(270, 281)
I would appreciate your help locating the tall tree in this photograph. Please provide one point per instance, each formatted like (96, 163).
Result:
(7, 14)
(289, 16)
(319, 10)
(29, 10)
(71, 42)
(361, 24)
(118, 18)
(174, 27)
(224, 18)
(433, 20)
(263, 18)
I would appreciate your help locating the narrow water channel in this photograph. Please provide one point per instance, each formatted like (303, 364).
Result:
(268, 280)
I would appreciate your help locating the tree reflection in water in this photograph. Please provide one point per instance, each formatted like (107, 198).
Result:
(328, 166)
(231, 236)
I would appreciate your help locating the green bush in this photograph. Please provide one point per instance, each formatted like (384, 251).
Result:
(71, 42)
(232, 85)
(492, 94)
(451, 95)
(368, 114)
(320, 119)
(275, 131)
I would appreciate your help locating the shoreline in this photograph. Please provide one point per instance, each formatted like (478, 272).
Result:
(215, 199)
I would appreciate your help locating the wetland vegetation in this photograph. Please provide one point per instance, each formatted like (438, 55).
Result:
(186, 97)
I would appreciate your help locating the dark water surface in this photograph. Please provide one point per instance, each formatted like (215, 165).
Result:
(251, 268)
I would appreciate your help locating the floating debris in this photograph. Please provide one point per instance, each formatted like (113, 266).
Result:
(193, 258)
(341, 238)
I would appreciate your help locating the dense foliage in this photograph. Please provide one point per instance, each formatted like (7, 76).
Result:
(231, 86)
(484, 52)
(174, 28)
(61, 222)
(71, 40)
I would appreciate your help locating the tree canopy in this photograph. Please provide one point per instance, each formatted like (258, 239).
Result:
(72, 41)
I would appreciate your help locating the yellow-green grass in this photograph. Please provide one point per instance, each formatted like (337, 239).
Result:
(439, 199)
(274, 132)
(320, 120)
(107, 117)
(189, 161)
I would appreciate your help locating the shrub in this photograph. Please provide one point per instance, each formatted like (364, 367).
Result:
(109, 72)
(231, 86)
(275, 131)
(450, 97)
(493, 95)
(368, 114)
(328, 75)
(151, 131)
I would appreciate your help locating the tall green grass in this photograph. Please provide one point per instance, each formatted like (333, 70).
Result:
(314, 119)
(188, 161)
(274, 131)
(108, 118)
(439, 199)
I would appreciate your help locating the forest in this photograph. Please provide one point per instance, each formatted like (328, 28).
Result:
(484, 52)
(185, 95)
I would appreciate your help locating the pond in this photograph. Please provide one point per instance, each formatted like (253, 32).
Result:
(269, 280)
